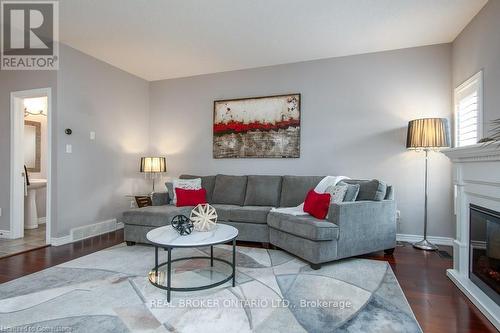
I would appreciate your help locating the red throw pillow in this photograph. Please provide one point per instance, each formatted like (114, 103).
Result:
(190, 197)
(317, 204)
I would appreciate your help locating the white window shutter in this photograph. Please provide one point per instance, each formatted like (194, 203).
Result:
(468, 111)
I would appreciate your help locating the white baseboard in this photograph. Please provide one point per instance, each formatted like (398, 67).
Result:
(87, 231)
(433, 239)
(5, 234)
(42, 220)
(57, 241)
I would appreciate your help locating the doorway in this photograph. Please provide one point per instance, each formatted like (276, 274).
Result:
(30, 176)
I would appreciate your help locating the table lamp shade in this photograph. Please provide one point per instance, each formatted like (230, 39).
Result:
(153, 164)
(428, 133)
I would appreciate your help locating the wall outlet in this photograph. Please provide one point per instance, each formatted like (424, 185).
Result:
(398, 215)
(0, 211)
(69, 149)
(92, 135)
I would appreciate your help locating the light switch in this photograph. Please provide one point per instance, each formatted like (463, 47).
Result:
(92, 135)
(69, 149)
(0, 211)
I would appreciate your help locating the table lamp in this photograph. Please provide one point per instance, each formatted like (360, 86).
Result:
(152, 166)
(427, 134)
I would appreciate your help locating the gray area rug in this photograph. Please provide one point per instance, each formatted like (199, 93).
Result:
(108, 291)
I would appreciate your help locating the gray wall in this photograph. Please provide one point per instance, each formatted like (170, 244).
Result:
(478, 47)
(90, 184)
(354, 116)
(92, 181)
(15, 81)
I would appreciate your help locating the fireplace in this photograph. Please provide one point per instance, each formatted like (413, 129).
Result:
(476, 180)
(484, 259)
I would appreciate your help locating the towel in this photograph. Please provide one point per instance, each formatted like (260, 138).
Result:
(26, 181)
(320, 188)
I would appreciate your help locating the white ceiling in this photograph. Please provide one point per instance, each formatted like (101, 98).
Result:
(160, 39)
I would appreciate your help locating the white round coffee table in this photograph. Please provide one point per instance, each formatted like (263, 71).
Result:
(168, 238)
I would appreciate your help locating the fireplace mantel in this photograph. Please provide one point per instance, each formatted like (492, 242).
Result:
(476, 153)
(476, 180)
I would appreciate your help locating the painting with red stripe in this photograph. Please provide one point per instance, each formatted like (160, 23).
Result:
(257, 127)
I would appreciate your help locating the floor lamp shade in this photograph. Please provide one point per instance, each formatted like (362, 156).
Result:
(428, 133)
(153, 164)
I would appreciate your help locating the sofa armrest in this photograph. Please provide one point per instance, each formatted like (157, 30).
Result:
(160, 198)
(364, 226)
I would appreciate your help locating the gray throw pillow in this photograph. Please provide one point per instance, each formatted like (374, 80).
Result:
(352, 191)
(170, 191)
(160, 198)
(372, 190)
(389, 195)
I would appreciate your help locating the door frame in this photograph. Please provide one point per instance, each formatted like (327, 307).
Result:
(17, 161)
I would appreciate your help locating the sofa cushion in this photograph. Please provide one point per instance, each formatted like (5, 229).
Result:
(303, 226)
(154, 216)
(207, 182)
(235, 213)
(263, 191)
(223, 211)
(294, 189)
(250, 214)
(230, 190)
(373, 190)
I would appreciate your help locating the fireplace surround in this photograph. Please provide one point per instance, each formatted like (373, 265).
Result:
(476, 180)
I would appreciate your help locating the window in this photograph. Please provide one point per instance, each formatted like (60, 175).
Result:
(468, 111)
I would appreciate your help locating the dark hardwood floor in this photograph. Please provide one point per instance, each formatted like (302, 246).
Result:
(438, 305)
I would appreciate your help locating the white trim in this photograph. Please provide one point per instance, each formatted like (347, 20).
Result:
(57, 241)
(16, 169)
(448, 241)
(478, 77)
(4, 234)
(87, 231)
(42, 220)
(48, 203)
(16, 155)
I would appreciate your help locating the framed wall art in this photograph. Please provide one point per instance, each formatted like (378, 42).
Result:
(257, 127)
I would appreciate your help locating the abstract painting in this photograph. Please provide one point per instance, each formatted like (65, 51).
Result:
(258, 127)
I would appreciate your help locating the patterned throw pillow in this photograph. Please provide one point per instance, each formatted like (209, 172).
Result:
(352, 191)
(186, 184)
(337, 193)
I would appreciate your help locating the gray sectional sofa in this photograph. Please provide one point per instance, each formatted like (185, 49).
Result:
(245, 202)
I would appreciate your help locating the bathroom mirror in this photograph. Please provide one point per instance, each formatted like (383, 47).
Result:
(32, 142)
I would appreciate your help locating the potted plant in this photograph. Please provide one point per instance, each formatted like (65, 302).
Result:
(495, 133)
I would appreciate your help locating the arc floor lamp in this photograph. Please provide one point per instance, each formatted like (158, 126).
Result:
(428, 134)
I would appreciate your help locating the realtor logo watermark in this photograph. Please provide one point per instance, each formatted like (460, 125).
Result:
(30, 34)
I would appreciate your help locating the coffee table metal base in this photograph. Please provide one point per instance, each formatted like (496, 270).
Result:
(169, 262)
